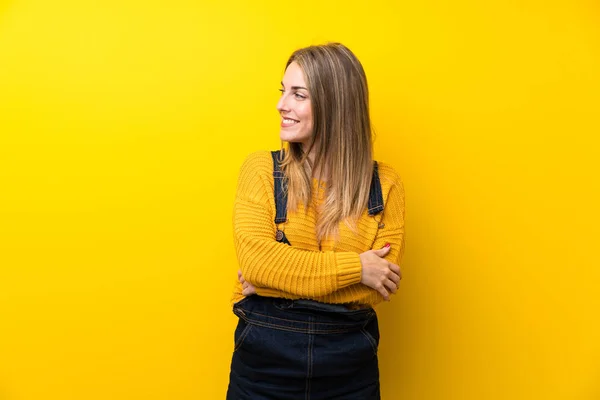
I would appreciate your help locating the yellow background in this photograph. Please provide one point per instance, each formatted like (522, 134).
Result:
(122, 128)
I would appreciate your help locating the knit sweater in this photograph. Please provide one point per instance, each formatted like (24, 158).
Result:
(330, 273)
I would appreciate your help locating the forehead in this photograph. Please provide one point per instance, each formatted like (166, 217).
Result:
(294, 76)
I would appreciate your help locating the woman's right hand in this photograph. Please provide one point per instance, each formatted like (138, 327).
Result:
(378, 273)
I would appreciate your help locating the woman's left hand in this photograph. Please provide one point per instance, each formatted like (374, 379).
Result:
(248, 289)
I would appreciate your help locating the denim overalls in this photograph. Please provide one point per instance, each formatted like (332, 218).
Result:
(303, 349)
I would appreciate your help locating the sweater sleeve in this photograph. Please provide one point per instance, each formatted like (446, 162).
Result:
(266, 263)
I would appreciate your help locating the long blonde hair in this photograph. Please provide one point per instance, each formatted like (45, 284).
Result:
(341, 137)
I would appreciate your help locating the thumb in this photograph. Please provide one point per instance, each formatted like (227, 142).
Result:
(383, 251)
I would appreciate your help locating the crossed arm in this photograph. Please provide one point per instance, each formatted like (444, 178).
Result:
(268, 265)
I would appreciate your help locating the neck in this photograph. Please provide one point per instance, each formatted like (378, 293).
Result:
(316, 171)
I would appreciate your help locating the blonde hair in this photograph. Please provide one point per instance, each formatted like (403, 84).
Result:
(341, 137)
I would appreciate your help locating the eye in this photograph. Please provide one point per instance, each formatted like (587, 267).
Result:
(299, 96)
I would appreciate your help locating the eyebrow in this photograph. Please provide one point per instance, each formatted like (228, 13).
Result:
(295, 87)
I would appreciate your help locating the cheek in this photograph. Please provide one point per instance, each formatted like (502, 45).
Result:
(307, 114)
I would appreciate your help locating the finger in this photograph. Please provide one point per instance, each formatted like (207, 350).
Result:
(239, 273)
(242, 279)
(391, 285)
(384, 293)
(396, 269)
(394, 277)
(383, 251)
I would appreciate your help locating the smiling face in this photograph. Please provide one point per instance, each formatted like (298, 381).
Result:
(294, 107)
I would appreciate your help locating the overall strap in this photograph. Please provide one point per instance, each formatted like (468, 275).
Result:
(375, 196)
(280, 193)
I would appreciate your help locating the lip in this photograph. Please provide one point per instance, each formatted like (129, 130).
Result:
(287, 125)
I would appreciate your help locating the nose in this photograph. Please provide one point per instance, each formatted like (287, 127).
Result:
(282, 105)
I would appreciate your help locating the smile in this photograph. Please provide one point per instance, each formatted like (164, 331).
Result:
(285, 122)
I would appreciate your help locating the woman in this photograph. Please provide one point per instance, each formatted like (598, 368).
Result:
(319, 233)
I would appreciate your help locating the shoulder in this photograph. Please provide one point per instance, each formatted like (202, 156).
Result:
(392, 187)
(256, 175)
(388, 175)
(257, 166)
(259, 161)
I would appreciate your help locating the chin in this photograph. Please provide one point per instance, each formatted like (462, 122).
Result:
(287, 137)
(291, 138)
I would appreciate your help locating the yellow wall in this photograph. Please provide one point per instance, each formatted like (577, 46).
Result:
(122, 128)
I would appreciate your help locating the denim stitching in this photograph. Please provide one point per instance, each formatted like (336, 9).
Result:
(298, 330)
(368, 318)
(287, 307)
(370, 339)
(243, 335)
(309, 360)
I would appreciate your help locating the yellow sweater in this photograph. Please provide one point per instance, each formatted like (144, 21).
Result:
(329, 275)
